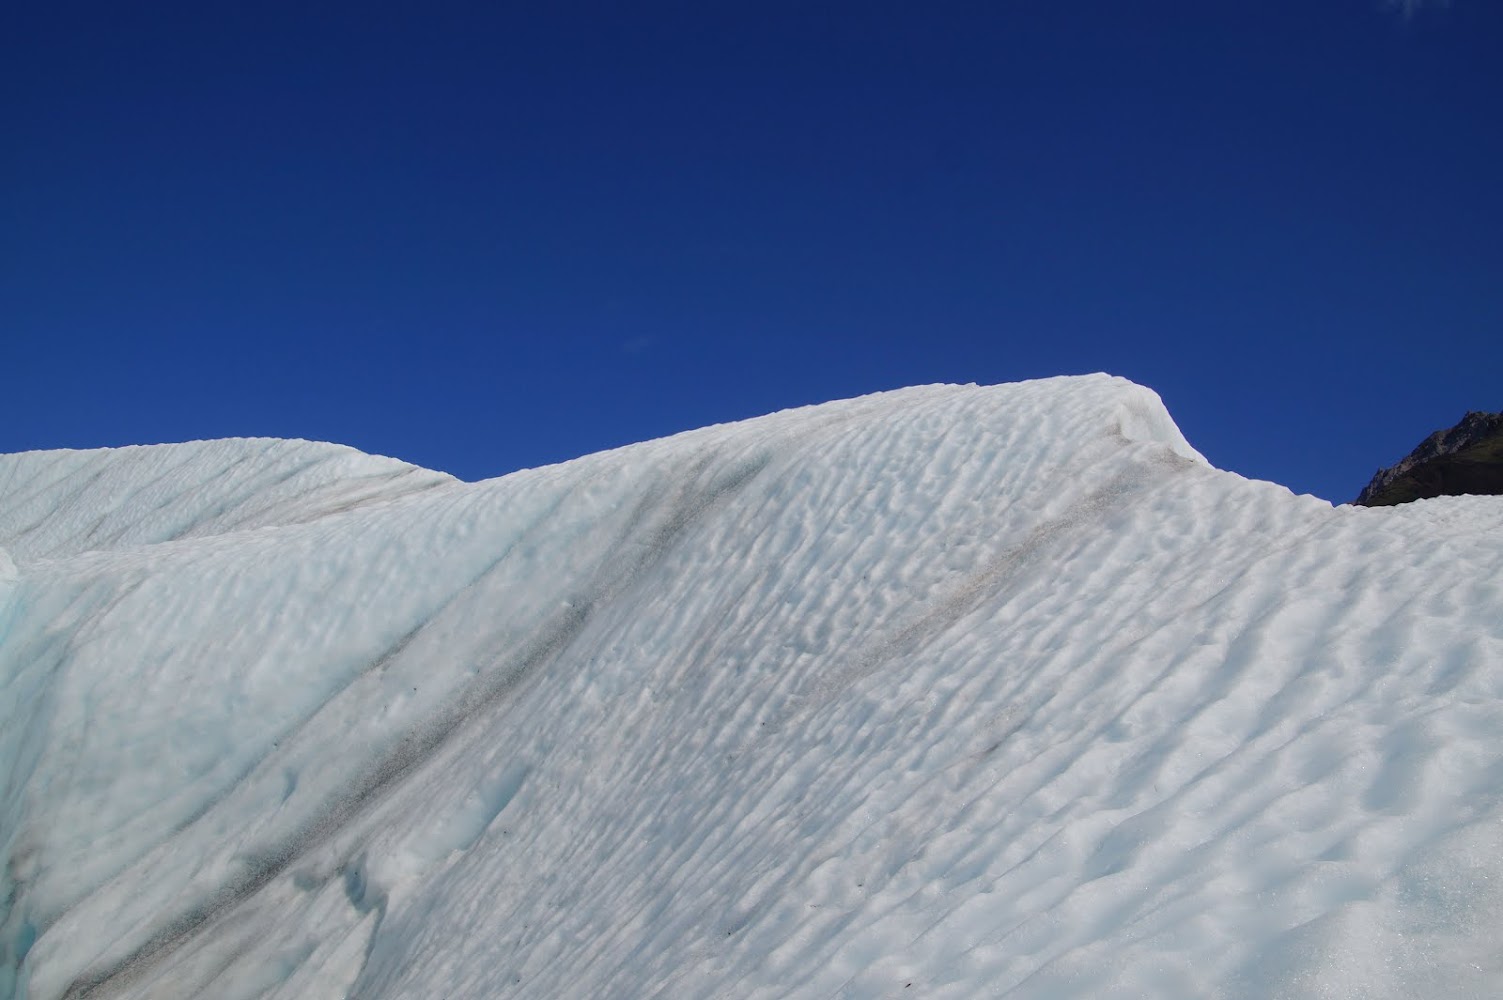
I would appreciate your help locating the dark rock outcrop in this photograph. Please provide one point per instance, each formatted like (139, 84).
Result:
(1466, 459)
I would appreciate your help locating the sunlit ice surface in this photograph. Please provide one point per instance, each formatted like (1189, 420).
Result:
(946, 692)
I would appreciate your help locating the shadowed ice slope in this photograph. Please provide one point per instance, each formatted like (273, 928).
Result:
(945, 692)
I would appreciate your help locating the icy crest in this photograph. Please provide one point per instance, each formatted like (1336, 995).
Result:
(945, 692)
(60, 503)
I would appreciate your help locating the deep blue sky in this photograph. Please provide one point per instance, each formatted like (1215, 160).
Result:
(486, 236)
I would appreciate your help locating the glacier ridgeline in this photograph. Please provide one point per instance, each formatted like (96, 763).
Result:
(944, 692)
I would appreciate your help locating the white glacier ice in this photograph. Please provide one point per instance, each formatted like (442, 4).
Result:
(947, 692)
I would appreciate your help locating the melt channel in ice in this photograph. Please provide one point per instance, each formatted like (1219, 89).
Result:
(945, 692)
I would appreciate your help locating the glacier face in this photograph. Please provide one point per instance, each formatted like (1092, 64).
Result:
(943, 692)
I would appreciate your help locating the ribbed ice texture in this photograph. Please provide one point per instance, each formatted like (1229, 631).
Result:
(946, 692)
(60, 503)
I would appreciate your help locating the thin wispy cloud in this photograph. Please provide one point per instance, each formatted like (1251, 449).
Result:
(1408, 8)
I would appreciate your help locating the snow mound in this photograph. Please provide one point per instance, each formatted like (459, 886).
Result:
(944, 692)
(60, 503)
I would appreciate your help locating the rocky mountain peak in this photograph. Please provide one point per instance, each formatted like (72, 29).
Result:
(1464, 459)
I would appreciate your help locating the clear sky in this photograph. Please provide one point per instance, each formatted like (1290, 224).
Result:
(485, 236)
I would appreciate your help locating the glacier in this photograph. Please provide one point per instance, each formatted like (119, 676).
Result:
(945, 692)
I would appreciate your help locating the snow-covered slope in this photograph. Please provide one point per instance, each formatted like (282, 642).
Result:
(59, 503)
(945, 692)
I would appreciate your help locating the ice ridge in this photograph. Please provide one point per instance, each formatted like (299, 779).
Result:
(60, 503)
(952, 691)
